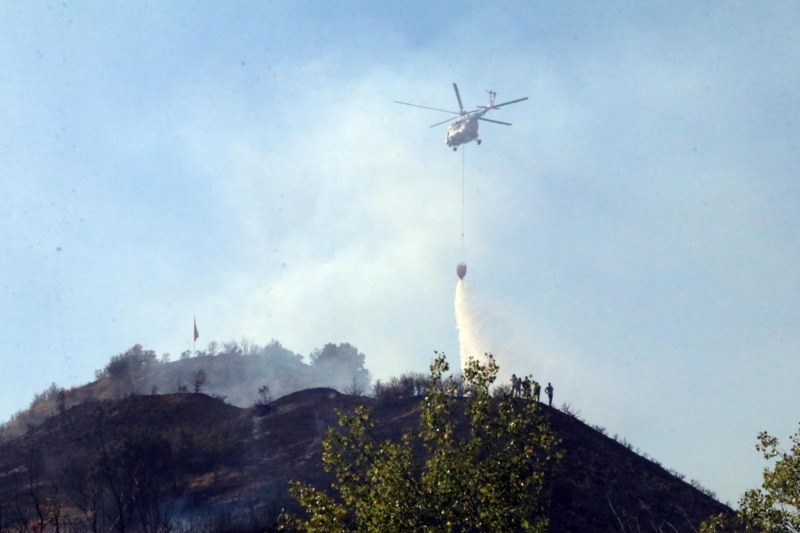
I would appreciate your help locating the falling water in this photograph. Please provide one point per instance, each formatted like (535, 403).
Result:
(470, 330)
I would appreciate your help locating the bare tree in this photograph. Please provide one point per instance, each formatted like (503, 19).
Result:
(61, 401)
(212, 348)
(199, 379)
(180, 388)
(264, 400)
(247, 345)
(43, 506)
(356, 387)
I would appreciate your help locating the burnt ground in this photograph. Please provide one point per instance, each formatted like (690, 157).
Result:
(223, 461)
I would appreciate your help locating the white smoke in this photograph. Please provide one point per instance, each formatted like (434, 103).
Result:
(471, 333)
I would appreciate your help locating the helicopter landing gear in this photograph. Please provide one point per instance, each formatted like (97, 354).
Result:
(479, 142)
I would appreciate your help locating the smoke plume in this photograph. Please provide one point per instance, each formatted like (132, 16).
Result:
(471, 339)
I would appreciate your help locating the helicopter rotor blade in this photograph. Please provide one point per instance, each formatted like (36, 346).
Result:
(495, 121)
(443, 122)
(426, 107)
(511, 102)
(458, 96)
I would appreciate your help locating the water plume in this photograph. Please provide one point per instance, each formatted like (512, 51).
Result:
(471, 340)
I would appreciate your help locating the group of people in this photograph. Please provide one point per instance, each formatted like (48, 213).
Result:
(520, 386)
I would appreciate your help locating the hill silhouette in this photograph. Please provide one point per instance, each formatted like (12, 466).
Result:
(197, 463)
(233, 372)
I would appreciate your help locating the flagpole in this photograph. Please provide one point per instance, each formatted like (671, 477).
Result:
(194, 337)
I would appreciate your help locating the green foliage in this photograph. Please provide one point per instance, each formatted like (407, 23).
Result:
(479, 464)
(719, 523)
(775, 507)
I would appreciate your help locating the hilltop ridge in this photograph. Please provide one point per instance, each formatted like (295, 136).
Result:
(234, 372)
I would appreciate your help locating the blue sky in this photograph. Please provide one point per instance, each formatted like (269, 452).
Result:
(632, 238)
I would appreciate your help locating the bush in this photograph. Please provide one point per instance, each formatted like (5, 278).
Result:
(399, 389)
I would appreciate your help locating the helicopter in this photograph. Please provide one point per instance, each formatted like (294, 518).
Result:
(465, 127)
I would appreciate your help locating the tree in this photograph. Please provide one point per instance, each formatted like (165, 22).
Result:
(474, 464)
(344, 354)
(133, 476)
(212, 348)
(133, 360)
(231, 348)
(180, 388)
(339, 365)
(43, 507)
(355, 388)
(199, 379)
(263, 401)
(775, 507)
(61, 401)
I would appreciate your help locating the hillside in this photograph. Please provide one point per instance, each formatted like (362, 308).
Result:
(232, 371)
(196, 462)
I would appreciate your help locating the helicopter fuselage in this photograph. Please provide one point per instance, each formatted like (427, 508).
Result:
(462, 131)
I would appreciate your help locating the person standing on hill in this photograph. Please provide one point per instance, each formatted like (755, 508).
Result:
(549, 391)
(537, 391)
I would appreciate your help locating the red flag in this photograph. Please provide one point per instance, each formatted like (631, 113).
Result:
(196, 334)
